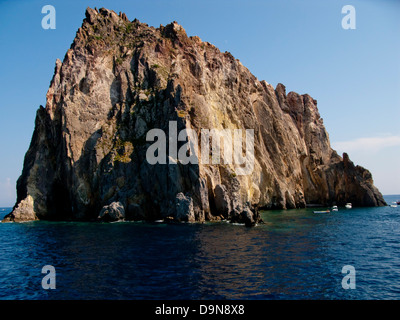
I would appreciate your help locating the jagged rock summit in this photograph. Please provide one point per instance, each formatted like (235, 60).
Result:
(120, 79)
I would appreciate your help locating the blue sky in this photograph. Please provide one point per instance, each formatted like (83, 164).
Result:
(354, 74)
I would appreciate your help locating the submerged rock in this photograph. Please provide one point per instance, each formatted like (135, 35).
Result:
(120, 79)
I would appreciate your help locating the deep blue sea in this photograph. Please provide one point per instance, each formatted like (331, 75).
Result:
(296, 254)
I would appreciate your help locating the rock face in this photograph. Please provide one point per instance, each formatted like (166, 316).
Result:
(121, 79)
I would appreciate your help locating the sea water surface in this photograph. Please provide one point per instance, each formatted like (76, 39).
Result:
(296, 254)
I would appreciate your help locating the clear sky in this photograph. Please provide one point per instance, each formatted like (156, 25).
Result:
(354, 74)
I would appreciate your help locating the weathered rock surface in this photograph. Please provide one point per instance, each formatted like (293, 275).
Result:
(112, 212)
(120, 79)
(22, 212)
(184, 208)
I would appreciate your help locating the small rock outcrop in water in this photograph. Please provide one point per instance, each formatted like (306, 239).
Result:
(120, 79)
(113, 212)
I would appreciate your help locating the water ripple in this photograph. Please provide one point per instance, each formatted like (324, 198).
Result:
(296, 254)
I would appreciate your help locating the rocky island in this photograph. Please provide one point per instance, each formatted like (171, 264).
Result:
(119, 80)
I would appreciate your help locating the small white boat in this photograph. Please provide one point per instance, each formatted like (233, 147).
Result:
(335, 208)
(348, 206)
(394, 205)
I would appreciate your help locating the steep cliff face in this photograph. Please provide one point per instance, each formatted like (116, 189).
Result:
(119, 80)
